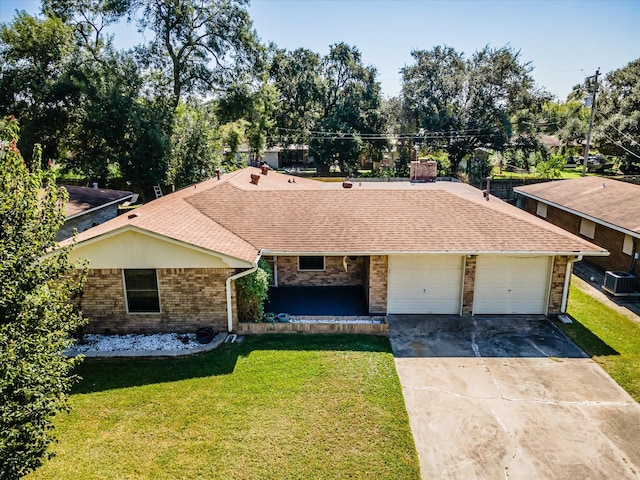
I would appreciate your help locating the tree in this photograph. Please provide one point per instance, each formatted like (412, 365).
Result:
(568, 121)
(199, 46)
(103, 124)
(297, 78)
(88, 18)
(350, 110)
(618, 114)
(252, 108)
(36, 315)
(146, 162)
(33, 82)
(195, 145)
(459, 105)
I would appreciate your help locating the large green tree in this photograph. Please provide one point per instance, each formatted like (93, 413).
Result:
(103, 124)
(350, 114)
(251, 105)
(618, 114)
(195, 146)
(297, 77)
(458, 105)
(200, 46)
(89, 19)
(34, 86)
(37, 317)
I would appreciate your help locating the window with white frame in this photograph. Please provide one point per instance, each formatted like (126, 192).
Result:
(141, 287)
(541, 210)
(311, 263)
(627, 245)
(587, 228)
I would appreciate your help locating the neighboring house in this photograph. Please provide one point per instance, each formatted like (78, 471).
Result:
(88, 207)
(600, 210)
(424, 248)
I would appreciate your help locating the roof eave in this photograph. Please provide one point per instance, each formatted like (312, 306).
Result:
(99, 207)
(599, 221)
(229, 259)
(563, 253)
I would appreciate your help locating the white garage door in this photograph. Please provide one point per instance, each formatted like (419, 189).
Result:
(425, 284)
(511, 285)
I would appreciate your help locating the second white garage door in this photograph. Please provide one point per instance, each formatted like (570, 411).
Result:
(425, 284)
(511, 285)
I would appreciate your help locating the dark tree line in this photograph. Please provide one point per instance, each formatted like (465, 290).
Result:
(175, 108)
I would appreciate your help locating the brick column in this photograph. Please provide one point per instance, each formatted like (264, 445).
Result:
(557, 285)
(378, 283)
(469, 284)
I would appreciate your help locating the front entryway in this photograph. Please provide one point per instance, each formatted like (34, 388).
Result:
(341, 301)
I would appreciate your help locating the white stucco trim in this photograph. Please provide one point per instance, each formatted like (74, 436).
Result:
(232, 262)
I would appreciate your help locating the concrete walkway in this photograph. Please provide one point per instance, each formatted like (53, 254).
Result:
(511, 398)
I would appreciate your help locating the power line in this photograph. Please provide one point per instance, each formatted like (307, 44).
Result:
(613, 140)
(618, 130)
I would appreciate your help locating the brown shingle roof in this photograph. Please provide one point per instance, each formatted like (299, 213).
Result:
(379, 218)
(170, 216)
(234, 217)
(82, 199)
(611, 201)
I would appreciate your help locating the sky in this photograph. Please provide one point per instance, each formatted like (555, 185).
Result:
(564, 40)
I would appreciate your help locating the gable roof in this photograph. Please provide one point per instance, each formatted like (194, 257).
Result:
(85, 199)
(603, 200)
(283, 214)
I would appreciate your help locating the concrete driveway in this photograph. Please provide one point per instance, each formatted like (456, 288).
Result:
(511, 398)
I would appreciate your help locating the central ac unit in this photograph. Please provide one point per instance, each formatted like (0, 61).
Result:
(619, 282)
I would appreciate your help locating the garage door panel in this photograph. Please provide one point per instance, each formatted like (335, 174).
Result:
(424, 284)
(511, 285)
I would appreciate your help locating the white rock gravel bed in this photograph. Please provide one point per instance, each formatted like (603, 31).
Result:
(130, 342)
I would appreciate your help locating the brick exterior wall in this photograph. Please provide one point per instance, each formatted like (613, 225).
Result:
(469, 285)
(189, 299)
(378, 284)
(605, 237)
(333, 274)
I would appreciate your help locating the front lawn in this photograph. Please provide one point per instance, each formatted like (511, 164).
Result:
(270, 407)
(609, 337)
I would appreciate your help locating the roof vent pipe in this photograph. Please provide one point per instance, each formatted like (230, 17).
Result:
(265, 169)
(95, 184)
(486, 191)
(218, 173)
(255, 178)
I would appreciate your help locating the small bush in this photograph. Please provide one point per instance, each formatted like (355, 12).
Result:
(551, 168)
(252, 292)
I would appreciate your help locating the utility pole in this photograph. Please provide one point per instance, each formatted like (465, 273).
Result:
(593, 110)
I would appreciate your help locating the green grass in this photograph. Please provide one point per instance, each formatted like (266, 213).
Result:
(609, 337)
(566, 173)
(270, 407)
